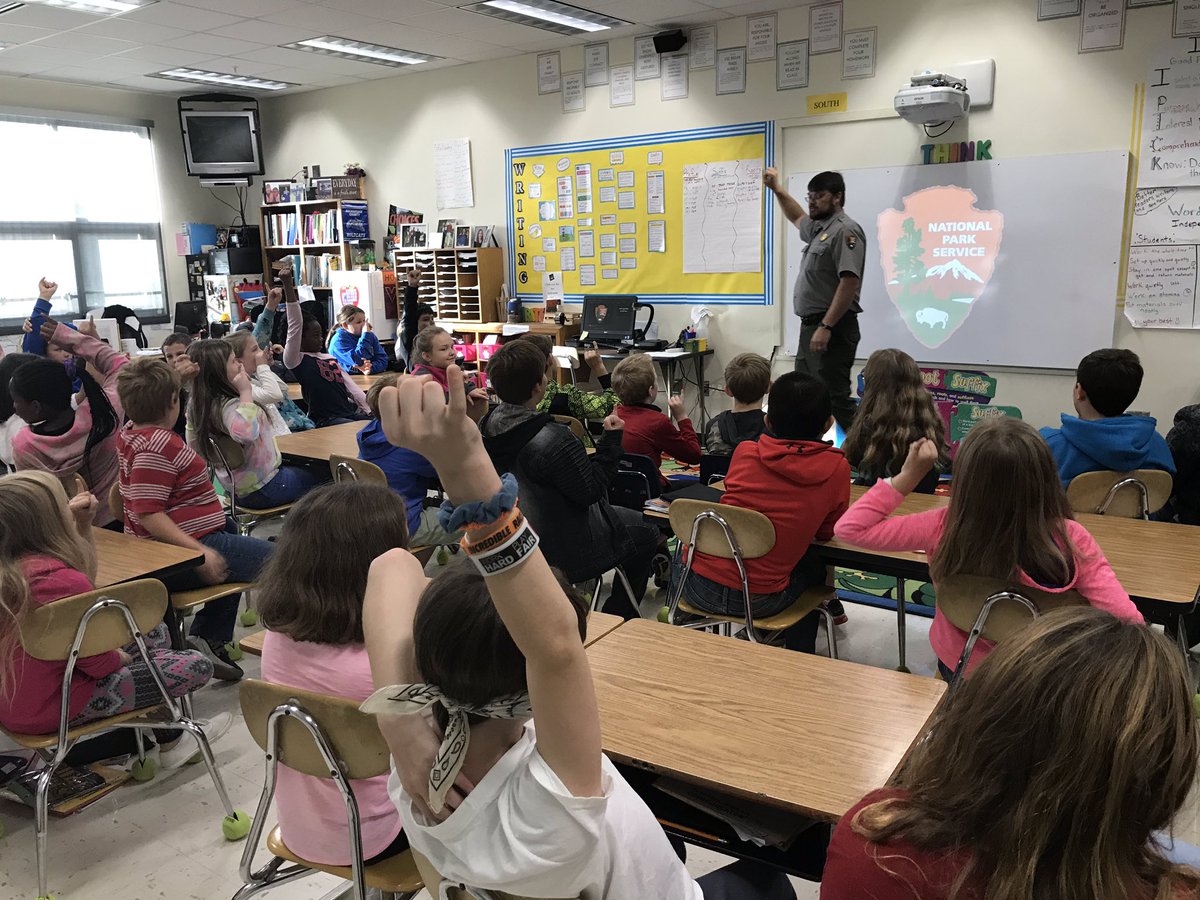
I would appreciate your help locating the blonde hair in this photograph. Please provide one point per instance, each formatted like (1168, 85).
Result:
(146, 387)
(239, 340)
(34, 521)
(423, 343)
(633, 378)
(896, 410)
(1051, 767)
(748, 377)
(1008, 511)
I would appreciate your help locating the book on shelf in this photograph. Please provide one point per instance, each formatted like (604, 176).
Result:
(318, 267)
(321, 228)
(281, 230)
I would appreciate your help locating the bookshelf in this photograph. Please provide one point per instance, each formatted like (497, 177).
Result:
(461, 283)
(312, 231)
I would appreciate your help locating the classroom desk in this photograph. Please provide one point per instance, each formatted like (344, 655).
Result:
(363, 381)
(669, 359)
(321, 443)
(121, 557)
(790, 730)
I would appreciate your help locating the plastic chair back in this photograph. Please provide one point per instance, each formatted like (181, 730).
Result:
(352, 735)
(636, 462)
(753, 531)
(347, 468)
(962, 597)
(49, 629)
(1129, 495)
(714, 468)
(575, 425)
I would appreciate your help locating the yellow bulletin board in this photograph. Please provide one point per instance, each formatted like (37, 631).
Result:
(676, 217)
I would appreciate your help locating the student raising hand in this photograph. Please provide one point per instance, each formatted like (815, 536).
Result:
(46, 288)
(922, 455)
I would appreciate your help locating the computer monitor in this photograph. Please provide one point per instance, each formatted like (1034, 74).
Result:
(191, 316)
(609, 318)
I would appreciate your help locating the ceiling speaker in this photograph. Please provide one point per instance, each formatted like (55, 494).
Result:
(669, 41)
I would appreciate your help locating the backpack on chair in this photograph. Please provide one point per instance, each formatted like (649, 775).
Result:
(128, 325)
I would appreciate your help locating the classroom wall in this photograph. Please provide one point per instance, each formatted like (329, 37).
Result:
(1049, 99)
(182, 199)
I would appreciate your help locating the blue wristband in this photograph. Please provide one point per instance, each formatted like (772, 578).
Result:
(480, 512)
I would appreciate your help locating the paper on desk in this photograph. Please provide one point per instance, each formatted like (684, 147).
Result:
(760, 825)
(452, 173)
(722, 216)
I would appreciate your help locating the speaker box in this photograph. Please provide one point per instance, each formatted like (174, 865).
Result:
(669, 41)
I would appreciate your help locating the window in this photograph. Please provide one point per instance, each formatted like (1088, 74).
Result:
(79, 205)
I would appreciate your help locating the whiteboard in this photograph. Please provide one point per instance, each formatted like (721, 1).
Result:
(1018, 261)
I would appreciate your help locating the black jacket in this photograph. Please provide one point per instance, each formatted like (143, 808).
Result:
(563, 492)
(1184, 441)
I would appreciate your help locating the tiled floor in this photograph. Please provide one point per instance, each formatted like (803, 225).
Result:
(163, 839)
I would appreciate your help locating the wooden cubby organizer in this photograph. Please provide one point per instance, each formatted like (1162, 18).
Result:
(334, 245)
(460, 283)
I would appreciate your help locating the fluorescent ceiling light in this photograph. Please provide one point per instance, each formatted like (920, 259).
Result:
(96, 7)
(363, 52)
(548, 14)
(223, 79)
(9, 7)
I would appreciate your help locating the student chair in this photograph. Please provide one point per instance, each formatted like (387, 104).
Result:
(456, 890)
(714, 468)
(184, 603)
(86, 625)
(577, 427)
(231, 455)
(993, 609)
(566, 358)
(730, 532)
(323, 737)
(1130, 495)
(347, 468)
(616, 572)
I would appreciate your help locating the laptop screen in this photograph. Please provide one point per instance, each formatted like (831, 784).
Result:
(610, 317)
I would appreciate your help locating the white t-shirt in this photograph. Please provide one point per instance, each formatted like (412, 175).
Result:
(522, 832)
(9, 428)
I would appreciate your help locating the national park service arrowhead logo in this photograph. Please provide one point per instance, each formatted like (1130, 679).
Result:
(938, 253)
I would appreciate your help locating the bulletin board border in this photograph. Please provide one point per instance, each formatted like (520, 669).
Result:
(766, 128)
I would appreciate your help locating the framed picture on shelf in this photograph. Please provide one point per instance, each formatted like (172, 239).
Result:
(479, 235)
(414, 235)
(463, 238)
(277, 191)
(446, 230)
(322, 188)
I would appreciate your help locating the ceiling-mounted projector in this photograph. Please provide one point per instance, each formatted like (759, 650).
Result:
(931, 98)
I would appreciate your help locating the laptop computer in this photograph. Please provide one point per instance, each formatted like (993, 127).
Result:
(608, 319)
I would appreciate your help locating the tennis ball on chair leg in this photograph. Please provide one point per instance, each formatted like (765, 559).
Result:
(235, 827)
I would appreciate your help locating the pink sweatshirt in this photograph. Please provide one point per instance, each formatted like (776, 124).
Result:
(312, 814)
(62, 455)
(867, 524)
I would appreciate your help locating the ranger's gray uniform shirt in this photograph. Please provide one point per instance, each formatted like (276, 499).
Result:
(836, 247)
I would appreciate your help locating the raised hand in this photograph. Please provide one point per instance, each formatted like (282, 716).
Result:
(46, 288)
(922, 454)
(771, 178)
(274, 298)
(675, 404)
(47, 329)
(613, 422)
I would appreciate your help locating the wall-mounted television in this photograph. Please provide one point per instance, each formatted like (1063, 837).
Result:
(221, 142)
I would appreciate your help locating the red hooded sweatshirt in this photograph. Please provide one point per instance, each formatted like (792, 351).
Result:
(803, 487)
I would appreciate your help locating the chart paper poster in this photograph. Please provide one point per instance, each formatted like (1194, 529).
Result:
(452, 173)
(722, 216)
(633, 239)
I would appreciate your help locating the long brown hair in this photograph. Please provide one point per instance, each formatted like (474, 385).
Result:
(1008, 510)
(896, 410)
(312, 587)
(34, 521)
(1052, 766)
(343, 318)
(209, 392)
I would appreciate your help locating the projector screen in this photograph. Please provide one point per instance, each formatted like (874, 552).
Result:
(1002, 262)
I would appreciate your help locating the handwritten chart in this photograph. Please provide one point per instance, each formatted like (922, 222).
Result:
(452, 174)
(722, 216)
(1161, 284)
(1169, 148)
(676, 217)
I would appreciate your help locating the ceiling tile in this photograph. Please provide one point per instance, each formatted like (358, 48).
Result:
(176, 15)
(157, 85)
(392, 35)
(21, 34)
(389, 10)
(269, 33)
(454, 21)
(47, 17)
(79, 74)
(39, 63)
(28, 52)
(320, 19)
(508, 34)
(213, 44)
(85, 41)
(235, 65)
(161, 56)
(120, 65)
(129, 30)
(250, 9)
(274, 55)
(296, 76)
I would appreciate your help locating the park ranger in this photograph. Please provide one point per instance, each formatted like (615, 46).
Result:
(827, 289)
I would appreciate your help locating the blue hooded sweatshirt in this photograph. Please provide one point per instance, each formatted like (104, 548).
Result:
(409, 474)
(351, 351)
(1117, 444)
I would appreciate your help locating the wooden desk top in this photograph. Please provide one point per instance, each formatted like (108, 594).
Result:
(800, 732)
(121, 557)
(363, 381)
(321, 443)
